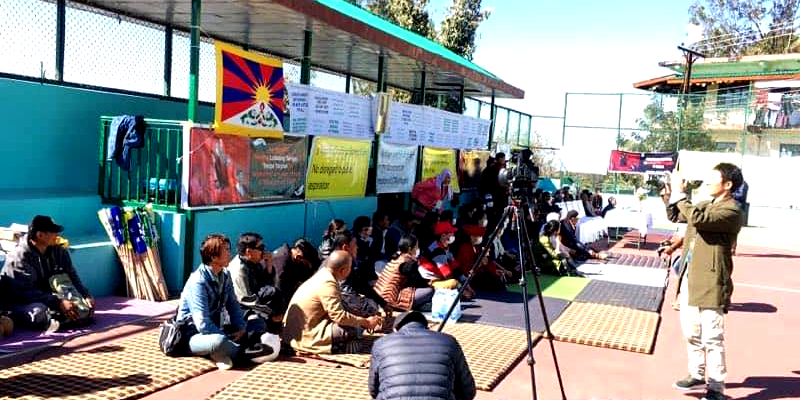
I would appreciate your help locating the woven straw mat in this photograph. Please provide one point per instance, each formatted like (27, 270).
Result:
(491, 351)
(130, 368)
(288, 380)
(638, 297)
(360, 356)
(636, 260)
(607, 326)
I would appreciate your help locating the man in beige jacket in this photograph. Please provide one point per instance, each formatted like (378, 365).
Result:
(316, 322)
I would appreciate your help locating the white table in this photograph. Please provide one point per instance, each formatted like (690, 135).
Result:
(620, 218)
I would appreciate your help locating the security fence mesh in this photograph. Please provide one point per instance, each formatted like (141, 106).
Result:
(27, 38)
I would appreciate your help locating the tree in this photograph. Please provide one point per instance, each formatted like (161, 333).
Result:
(460, 26)
(746, 27)
(659, 129)
(410, 14)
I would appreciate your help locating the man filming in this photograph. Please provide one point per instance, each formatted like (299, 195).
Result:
(705, 283)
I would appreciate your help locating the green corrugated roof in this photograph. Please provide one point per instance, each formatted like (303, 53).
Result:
(387, 27)
(738, 74)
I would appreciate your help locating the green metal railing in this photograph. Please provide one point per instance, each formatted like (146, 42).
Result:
(155, 172)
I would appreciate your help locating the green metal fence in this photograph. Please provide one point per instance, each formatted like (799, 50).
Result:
(155, 171)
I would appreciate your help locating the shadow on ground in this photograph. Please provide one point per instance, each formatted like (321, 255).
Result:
(753, 307)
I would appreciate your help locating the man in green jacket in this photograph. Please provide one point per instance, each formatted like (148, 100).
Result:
(705, 284)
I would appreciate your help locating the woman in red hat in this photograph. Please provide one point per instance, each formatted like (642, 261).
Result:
(438, 264)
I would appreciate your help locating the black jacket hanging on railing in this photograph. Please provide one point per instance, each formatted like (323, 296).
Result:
(125, 133)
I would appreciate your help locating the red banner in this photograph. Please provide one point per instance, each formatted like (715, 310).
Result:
(641, 163)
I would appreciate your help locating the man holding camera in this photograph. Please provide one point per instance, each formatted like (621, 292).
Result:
(705, 284)
(42, 287)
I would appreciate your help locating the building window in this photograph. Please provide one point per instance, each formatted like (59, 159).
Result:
(726, 147)
(732, 98)
(790, 150)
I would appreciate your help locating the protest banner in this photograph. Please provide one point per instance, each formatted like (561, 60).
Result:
(434, 161)
(232, 169)
(338, 168)
(470, 166)
(641, 163)
(397, 168)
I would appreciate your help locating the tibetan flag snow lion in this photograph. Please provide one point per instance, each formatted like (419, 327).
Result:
(251, 96)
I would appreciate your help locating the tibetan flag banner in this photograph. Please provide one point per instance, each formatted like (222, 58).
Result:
(250, 93)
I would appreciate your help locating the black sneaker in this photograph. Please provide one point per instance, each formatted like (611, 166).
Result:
(689, 383)
(714, 395)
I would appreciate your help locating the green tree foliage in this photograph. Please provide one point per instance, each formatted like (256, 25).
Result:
(746, 27)
(460, 26)
(659, 129)
(457, 32)
(410, 14)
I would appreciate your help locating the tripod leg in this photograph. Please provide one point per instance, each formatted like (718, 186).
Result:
(524, 286)
(523, 233)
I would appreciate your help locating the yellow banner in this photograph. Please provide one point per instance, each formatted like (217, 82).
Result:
(338, 168)
(434, 161)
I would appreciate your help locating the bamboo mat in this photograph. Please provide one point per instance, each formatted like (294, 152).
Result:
(127, 369)
(607, 326)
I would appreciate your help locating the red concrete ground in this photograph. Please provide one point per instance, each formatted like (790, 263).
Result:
(761, 331)
(761, 346)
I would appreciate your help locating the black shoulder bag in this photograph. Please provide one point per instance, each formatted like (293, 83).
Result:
(172, 336)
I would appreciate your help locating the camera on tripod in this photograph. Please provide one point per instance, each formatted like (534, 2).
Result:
(521, 175)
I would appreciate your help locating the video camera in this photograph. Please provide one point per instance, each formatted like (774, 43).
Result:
(521, 175)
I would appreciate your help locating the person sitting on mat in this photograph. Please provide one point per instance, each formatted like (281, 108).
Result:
(316, 321)
(294, 265)
(41, 286)
(253, 279)
(417, 363)
(438, 264)
(577, 250)
(490, 276)
(358, 296)
(400, 283)
(208, 291)
(550, 260)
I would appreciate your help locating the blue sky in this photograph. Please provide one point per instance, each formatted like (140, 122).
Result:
(549, 47)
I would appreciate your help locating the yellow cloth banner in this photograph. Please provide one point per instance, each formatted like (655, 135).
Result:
(338, 168)
(434, 161)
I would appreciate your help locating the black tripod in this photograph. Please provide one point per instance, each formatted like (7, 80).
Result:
(514, 215)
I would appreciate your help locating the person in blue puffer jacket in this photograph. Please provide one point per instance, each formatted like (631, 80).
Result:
(417, 363)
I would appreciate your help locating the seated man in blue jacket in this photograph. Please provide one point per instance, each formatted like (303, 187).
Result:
(34, 275)
(208, 291)
(415, 362)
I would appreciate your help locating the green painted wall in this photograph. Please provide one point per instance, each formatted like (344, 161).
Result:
(50, 132)
(279, 223)
(50, 141)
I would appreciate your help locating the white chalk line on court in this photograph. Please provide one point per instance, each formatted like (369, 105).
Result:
(778, 289)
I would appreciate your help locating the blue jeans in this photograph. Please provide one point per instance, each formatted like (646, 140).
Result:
(219, 347)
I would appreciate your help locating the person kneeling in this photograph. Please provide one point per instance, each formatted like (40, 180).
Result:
(417, 363)
(208, 291)
(316, 321)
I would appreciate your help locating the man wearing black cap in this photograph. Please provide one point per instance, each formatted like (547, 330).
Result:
(29, 274)
(415, 362)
